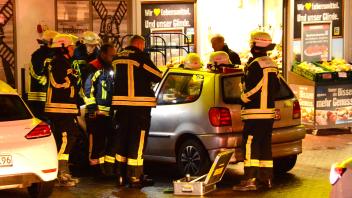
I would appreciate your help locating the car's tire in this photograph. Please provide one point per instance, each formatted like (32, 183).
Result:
(284, 164)
(41, 190)
(192, 158)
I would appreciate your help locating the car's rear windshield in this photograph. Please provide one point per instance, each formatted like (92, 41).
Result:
(12, 108)
(232, 93)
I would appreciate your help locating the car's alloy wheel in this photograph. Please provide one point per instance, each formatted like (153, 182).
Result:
(192, 158)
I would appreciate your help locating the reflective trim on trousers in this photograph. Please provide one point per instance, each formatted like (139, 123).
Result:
(61, 155)
(109, 159)
(248, 147)
(135, 162)
(120, 158)
(266, 163)
(101, 160)
(251, 163)
(139, 160)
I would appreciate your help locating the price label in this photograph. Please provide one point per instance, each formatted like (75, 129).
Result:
(342, 75)
(327, 76)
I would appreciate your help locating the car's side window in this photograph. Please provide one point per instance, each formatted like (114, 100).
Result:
(231, 89)
(180, 88)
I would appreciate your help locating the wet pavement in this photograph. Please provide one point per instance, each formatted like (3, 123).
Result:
(309, 178)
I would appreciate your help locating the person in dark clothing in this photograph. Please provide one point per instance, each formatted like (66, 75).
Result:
(61, 104)
(133, 99)
(86, 51)
(38, 80)
(218, 44)
(259, 86)
(98, 90)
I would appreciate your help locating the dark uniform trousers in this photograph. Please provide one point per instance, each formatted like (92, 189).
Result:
(101, 129)
(66, 133)
(132, 133)
(258, 157)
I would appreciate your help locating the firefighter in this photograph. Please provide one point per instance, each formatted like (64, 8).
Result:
(98, 95)
(87, 50)
(61, 103)
(133, 98)
(38, 80)
(218, 44)
(259, 86)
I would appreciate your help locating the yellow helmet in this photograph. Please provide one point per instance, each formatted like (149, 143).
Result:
(64, 40)
(260, 39)
(192, 61)
(219, 57)
(48, 35)
(91, 38)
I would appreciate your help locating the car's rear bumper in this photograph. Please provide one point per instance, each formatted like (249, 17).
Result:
(278, 150)
(216, 143)
(285, 142)
(18, 180)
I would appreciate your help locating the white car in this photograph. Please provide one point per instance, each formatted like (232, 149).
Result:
(28, 153)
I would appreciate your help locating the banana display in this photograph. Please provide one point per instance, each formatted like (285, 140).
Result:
(337, 65)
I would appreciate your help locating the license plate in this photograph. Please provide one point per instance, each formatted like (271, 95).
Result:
(277, 114)
(5, 160)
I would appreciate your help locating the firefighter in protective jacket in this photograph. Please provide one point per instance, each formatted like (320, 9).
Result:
(98, 95)
(259, 86)
(133, 98)
(61, 103)
(87, 50)
(38, 80)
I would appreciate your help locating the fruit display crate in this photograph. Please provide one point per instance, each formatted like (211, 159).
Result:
(339, 75)
(324, 76)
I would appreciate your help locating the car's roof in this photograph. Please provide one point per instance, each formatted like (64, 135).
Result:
(197, 71)
(6, 89)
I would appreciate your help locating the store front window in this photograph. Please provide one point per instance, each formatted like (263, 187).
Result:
(169, 29)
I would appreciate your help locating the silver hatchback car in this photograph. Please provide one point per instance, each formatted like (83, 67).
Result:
(198, 115)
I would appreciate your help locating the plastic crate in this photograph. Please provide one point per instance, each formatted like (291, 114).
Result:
(317, 77)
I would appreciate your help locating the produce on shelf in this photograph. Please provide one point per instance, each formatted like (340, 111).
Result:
(336, 65)
(310, 67)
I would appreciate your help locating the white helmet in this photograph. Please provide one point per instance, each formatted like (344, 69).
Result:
(90, 38)
(219, 58)
(260, 39)
(192, 61)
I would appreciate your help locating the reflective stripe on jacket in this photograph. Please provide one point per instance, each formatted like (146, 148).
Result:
(261, 84)
(134, 75)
